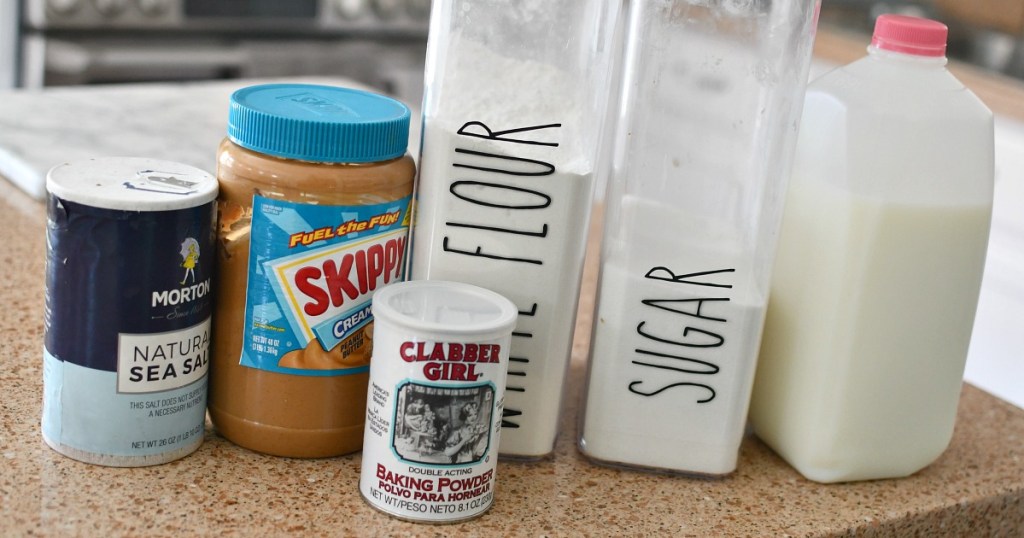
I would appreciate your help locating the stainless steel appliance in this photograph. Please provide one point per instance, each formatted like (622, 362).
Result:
(8, 43)
(378, 42)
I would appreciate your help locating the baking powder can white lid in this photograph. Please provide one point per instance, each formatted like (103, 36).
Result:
(441, 310)
(131, 184)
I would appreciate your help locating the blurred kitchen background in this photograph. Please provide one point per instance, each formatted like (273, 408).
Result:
(986, 33)
(378, 42)
(63, 42)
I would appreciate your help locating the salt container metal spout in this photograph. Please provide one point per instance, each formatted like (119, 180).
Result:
(515, 102)
(710, 100)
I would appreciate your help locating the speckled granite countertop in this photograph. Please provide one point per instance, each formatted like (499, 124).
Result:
(975, 489)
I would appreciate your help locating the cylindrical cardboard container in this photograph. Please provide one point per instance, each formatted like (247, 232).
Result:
(434, 405)
(128, 301)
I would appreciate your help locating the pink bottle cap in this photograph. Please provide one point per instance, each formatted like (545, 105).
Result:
(910, 35)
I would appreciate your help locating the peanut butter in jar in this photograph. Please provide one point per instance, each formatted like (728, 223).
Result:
(315, 193)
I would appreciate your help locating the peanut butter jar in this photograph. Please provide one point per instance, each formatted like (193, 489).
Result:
(315, 193)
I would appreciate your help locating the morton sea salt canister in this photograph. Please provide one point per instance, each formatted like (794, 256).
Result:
(127, 322)
(437, 388)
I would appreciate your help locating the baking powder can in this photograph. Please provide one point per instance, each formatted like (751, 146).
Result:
(130, 249)
(437, 388)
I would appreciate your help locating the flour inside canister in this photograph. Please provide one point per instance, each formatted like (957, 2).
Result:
(503, 203)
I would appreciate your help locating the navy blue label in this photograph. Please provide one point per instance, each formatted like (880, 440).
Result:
(110, 272)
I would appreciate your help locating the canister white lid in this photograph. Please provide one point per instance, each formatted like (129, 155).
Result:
(437, 309)
(131, 184)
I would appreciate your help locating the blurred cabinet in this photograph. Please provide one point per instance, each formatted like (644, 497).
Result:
(1001, 15)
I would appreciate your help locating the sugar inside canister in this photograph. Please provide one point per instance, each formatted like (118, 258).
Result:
(128, 304)
(434, 405)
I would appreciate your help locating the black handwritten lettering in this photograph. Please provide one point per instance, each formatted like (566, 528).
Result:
(686, 333)
(633, 389)
(542, 202)
(542, 233)
(506, 414)
(692, 337)
(488, 188)
(659, 303)
(479, 253)
(541, 169)
(500, 135)
(712, 368)
(682, 279)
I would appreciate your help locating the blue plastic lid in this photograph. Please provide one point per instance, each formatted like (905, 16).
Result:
(318, 123)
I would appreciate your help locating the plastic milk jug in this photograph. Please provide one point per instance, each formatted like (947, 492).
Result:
(879, 265)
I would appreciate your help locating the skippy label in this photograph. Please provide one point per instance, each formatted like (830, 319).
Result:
(433, 420)
(312, 272)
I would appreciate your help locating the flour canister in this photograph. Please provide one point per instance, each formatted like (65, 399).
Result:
(128, 303)
(437, 387)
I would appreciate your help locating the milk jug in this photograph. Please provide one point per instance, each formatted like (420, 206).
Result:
(879, 265)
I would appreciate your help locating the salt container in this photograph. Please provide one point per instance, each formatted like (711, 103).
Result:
(129, 298)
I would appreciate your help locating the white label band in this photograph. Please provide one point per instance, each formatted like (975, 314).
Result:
(162, 361)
